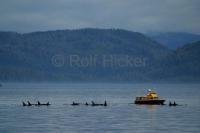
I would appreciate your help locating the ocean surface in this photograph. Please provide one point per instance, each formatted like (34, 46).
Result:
(120, 116)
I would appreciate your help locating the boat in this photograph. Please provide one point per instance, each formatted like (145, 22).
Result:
(151, 98)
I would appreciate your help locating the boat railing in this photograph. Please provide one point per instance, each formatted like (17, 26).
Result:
(146, 98)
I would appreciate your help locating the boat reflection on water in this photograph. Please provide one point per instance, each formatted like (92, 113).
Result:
(148, 107)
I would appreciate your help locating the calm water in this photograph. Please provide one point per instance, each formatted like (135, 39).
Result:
(119, 117)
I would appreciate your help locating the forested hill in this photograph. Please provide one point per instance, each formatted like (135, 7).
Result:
(181, 65)
(91, 55)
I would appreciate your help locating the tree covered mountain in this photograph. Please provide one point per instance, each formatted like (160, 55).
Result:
(92, 55)
(181, 65)
(174, 40)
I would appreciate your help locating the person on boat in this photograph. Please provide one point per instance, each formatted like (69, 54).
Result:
(105, 103)
(29, 104)
(86, 104)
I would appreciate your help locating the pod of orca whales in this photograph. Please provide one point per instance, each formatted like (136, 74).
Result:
(92, 104)
(77, 104)
(37, 104)
(73, 104)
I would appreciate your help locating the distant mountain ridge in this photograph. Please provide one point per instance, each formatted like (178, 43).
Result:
(174, 40)
(28, 57)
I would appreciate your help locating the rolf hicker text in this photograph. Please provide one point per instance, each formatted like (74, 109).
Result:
(98, 61)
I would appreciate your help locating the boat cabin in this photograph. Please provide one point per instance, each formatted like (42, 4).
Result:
(152, 95)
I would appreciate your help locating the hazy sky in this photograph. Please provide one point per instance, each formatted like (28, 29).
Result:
(135, 15)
